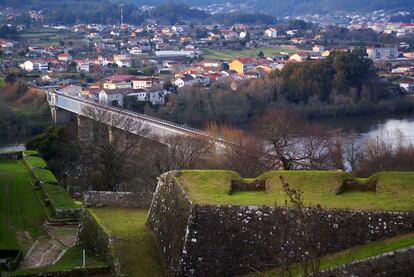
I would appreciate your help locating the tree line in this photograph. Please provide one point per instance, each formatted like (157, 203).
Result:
(346, 83)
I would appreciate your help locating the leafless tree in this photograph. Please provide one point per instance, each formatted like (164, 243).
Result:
(243, 153)
(186, 152)
(385, 152)
(305, 234)
(110, 148)
(295, 144)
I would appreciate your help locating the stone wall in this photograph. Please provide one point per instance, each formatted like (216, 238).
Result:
(392, 264)
(168, 219)
(141, 199)
(97, 241)
(222, 240)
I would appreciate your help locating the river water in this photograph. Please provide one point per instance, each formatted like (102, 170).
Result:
(363, 127)
(360, 127)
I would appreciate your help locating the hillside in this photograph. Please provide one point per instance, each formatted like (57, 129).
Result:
(274, 7)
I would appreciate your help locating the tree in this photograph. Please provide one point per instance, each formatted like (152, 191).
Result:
(280, 129)
(111, 155)
(185, 152)
(306, 233)
(242, 153)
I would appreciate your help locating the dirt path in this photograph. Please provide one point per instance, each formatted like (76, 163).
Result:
(50, 247)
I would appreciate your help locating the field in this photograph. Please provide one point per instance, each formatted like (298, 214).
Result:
(228, 54)
(20, 211)
(350, 255)
(134, 245)
(394, 189)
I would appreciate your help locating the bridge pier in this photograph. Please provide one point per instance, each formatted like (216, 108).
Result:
(110, 135)
(59, 116)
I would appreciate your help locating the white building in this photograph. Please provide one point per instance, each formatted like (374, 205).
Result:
(382, 54)
(171, 53)
(186, 80)
(318, 48)
(35, 65)
(271, 33)
(147, 82)
(114, 97)
(407, 84)
(83, 66)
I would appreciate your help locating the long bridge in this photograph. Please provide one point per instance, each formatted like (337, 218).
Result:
(157, 128)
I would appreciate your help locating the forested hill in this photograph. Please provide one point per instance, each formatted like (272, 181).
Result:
(274, 7)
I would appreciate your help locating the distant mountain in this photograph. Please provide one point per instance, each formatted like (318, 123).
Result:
(274, 7)
(294, 7)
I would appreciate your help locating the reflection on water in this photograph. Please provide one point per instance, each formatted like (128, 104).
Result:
(373, 126)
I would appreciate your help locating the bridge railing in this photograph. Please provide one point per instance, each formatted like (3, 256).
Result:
(143, 117)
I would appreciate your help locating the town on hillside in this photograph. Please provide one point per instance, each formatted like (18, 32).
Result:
(207, 138)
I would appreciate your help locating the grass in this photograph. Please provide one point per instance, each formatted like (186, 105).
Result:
(70, 260)
(228, 54)
(2, 83)
(352, 254)
(59, 197)
(135, 246)
(57, 194)
(20, 210)
(394, 189)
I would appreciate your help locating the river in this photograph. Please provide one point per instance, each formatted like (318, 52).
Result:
(364, 127)
(360, 126)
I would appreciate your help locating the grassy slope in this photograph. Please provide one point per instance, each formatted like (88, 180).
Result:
(228, 54)
(71, 259)
(350, 255)
(57, 194)
(20, 210)
(134, 245)
(394, 189)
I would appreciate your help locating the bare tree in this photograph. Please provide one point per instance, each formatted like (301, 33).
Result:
(110, 148)
(186, 152)
(305, 236)
(295, 144)
(245, 154)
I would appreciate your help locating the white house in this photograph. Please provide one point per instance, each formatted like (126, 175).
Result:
(407, 84)
(147, 82)
(123, 60)
(299, 57)
(185, 80)
(135, 51)
(113, 97)
(35, 65)
(83, 66)
(271, 33)
(318, 48)
(382, 54)
(156, 97)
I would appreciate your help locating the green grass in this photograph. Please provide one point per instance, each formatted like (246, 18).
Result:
(71, 259)
(20, 210)
(59, 197)
(2, 83)
(228, 54)
(36, 162)
(352, 254)
(135, 246)
(394, 189)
